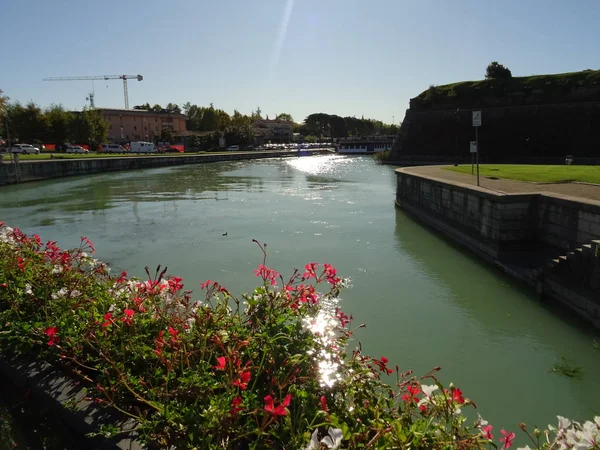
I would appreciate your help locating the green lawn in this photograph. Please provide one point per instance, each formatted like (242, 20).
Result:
(542, 174)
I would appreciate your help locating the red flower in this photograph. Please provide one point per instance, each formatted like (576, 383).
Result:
(174, 334)
(122, 277)
(107, 320)
(235, 406)
(3, 285)
(205, 284)
(310, 271)
(266, 274)
(22, 263)
(410, 395)
(507, 439)
(128, 318)
(324, 404)
(279, 410)
(52, 332)
(175, 284)
(487, 432)
(222, 361)
(242, 382)
(457, 396)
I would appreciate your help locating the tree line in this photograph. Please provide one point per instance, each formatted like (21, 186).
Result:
(32, 124)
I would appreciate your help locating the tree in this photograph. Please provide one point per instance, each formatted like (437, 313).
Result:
(284, 116)
(27, 123)
(157, 107)
(173, 107)
(59, 122)
(497, 71)
(145, 106)
(89, 127)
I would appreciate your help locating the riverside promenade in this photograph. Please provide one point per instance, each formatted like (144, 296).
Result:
(585, 191)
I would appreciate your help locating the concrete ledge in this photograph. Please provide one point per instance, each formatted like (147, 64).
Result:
(51, 388)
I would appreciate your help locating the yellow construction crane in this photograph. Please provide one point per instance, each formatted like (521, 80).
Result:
(103, 77)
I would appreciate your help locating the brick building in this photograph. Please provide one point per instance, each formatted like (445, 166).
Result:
(141, 125)
(273, 130)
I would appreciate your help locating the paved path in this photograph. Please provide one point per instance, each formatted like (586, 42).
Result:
(588, 192)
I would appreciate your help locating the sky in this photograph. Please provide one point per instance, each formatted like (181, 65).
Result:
(346, 57)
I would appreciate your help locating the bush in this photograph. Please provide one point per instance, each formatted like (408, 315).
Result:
(495, 71)
(267, 370)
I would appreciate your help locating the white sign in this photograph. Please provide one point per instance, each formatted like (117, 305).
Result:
(476, 118)
(473, 147)
(222, 142)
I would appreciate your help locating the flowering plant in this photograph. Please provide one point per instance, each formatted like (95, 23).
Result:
(269, 369)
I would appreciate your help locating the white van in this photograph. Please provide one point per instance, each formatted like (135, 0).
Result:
(143, 147)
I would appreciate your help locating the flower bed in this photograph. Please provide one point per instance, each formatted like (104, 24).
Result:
(268, 370)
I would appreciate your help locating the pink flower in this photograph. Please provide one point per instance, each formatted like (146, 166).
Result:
(487, 432)
(221, 363)
(266, 274)
(205, 285)
(279, 410)
(242, 382)
(52, 332)
(507, 439)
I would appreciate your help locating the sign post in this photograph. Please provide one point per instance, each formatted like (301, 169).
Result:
(477, 124)
(473, 150)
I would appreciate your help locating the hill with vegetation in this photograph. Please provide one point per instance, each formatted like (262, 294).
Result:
(508, 90)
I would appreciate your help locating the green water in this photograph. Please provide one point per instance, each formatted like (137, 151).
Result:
(426, 302)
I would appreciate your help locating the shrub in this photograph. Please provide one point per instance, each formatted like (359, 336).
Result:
(267, 370)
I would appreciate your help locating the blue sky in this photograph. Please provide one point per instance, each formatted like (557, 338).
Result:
(346, 57)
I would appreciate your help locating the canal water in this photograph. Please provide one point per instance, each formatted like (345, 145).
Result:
(425, 302)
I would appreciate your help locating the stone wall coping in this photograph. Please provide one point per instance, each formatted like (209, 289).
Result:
(584, 204)
(55, 390)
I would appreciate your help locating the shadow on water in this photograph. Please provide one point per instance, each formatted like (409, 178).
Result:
(477, 287)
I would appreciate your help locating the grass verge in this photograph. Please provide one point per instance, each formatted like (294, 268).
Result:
(540, 174)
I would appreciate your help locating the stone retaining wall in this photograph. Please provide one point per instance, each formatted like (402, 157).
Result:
(55, 168)
(503, 228)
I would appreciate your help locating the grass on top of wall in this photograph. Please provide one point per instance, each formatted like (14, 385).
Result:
(535, 173)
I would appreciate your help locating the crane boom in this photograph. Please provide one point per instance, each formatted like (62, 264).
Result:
(103, 77)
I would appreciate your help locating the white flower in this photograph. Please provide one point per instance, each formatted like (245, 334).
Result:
(332, 441)
(61, 293)
(428, 389)
(563, 422)
(481, 422)
(57, 269)
(112, 308)
(524, 448)
(28, 289)
(190, 323)
(75, 293)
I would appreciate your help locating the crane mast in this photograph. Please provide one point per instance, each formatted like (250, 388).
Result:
(103, 77)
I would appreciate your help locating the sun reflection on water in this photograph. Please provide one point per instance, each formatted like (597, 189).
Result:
(318, 165)
(323, 326)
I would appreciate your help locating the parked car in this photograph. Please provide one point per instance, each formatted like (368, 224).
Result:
(113, 148)
(173, 150)
(76, 149)
(233, 148)
(25, 149)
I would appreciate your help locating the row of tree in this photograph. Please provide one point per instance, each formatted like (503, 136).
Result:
(32, 124)
(29, 123)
